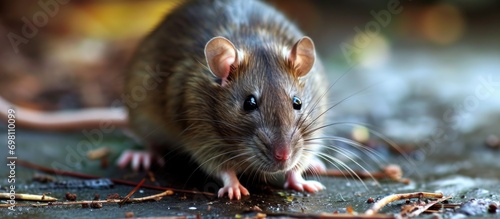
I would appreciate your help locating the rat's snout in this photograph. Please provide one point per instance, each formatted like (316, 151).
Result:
(282, 152)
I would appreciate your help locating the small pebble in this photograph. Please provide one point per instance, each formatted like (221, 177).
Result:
(492, 208)
(370, 200)
(70, 196)
(129, 214)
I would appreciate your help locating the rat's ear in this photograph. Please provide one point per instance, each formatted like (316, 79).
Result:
(221, 56)
(302, 56)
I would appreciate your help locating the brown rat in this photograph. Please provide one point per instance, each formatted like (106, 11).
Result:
(231, 83)
(236, 86)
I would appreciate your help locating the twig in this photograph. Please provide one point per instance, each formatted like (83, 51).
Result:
(420, 209)
(154, 197)
(388, 199)
(142, 199)
(28, 197)
(117, 181)
(132, 192)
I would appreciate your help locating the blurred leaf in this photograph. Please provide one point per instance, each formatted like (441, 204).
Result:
(117, 19)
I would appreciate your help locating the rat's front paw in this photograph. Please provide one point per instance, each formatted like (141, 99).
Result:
(232, 186)
(295, 181)
(233, 191)
(136, 159)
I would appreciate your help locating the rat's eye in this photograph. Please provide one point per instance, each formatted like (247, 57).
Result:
(250, 103)
(297, 103)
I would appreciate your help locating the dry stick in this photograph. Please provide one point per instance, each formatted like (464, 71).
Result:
(142, 199)
(28, 197)
(117, 181)
(421, 209)
(132, 192)
(152, 197)
(388, 199)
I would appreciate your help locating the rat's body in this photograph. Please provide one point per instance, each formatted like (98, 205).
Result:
(189, 107)
(236, 86)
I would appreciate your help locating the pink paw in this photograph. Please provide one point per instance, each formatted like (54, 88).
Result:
(232, 186)
(136, 159)
(233, 191)
(295, 181)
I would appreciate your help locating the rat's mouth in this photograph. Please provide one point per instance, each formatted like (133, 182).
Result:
(279, 167)
(274, 171)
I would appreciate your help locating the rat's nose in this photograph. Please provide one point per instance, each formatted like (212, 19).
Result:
(282, 153)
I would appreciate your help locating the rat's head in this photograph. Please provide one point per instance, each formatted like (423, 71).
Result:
(266, 103)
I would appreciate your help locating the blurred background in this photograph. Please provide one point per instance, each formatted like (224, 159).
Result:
(420, 72)
(423, 73)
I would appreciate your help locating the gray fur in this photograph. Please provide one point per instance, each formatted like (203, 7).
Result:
(191, 113)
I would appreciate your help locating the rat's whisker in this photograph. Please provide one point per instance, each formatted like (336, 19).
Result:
(370, 152)
(352, 173)
(384, 138)
(310, 131)
(317, 100)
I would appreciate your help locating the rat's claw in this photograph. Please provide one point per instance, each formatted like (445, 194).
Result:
(136, 159)
(233, 191)
(295, 181)
(232, 186)
(312, 186)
